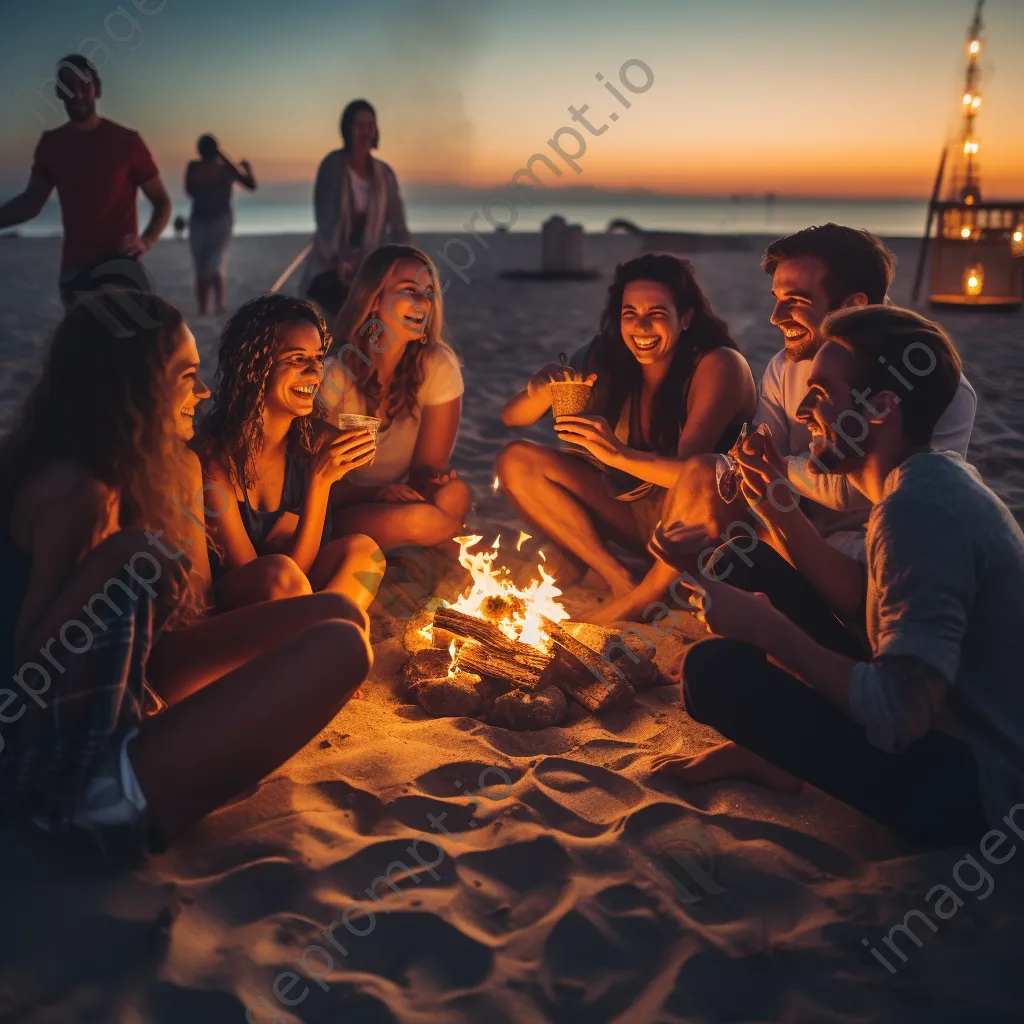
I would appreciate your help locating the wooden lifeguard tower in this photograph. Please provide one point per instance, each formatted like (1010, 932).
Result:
(976, 254)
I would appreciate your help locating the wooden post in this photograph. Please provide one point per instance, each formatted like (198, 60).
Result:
(923, 254)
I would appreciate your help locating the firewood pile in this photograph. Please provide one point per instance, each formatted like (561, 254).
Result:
(466, 666)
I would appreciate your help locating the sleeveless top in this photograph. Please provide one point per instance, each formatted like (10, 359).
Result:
(258, 525)
(624, 486)
(15, 571)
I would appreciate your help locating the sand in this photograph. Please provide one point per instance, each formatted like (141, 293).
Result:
(523, 886)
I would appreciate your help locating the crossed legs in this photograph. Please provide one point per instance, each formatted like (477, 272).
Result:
(566, 498)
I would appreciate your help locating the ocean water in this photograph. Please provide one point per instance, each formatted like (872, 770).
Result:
(266, 214)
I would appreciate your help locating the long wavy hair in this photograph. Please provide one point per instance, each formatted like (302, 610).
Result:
(619, 375)
(104, 402)
(356, 327)
(232, 433)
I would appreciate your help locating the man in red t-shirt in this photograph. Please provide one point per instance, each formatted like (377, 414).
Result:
(97, 166)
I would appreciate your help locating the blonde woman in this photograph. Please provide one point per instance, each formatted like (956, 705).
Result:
(389, 360)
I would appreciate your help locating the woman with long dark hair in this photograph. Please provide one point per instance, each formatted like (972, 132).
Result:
(390, 361)
(668, 383)
(266, 444)
(357, 206)
(103, 588)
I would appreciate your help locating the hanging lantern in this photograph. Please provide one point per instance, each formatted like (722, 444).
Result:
(974, 281)
(1017, 240)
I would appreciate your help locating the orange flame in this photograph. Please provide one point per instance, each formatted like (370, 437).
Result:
(522, 622)
(522, 537)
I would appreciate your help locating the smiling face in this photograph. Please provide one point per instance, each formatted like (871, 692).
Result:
(650, 322)
(834, 376)
(297, 371)
(364, 131)
(801, 302)
(186, 388)
(404, 304)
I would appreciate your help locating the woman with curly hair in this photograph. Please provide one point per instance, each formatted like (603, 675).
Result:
(266, 444)
(103, 583)
(669, 383)
(389, 360)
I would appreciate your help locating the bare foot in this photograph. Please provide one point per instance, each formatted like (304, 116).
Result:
(726, 761)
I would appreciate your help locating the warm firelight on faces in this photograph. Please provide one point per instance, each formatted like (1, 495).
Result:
(297, 371)
(829, 395)
(404, 304)
(649, 321)
(801, 302)
(187, 389)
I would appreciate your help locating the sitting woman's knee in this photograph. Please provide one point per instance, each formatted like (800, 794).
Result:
(361, 548)
(518, 462)
(343, 648)
(457, 498)
(328, 604)
(280, 577)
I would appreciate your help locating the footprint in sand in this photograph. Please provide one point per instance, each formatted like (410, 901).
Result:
(588, 791)
(460, 777)
(509, 888)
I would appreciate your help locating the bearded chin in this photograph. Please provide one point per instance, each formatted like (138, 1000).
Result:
(831, 458)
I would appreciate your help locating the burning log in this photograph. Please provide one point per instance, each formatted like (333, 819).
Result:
(486, 650)
(629, 651)
(582, 673)
(476, 658)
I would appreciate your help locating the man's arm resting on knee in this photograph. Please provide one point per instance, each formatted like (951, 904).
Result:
(897, 698)
(841, 580)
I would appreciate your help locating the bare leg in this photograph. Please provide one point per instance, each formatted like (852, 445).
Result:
(203, 294)
(267, 578)
(185, 660)
(726, 761)
(217, 283)
(98, 573)
(352, 566)
(562, 495)
(222, 740)
(693, 500)
(425, 523)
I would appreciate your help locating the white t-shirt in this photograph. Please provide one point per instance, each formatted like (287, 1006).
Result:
(845, 509)
(360, 192)
(442, 382)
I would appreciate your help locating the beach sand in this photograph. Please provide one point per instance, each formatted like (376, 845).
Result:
(528, 893)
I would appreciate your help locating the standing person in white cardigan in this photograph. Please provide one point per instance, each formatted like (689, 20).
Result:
(358, 208)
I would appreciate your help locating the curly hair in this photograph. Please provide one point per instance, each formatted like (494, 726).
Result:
(618, 373)
(103, 402)
(358, 329)
(232, 433)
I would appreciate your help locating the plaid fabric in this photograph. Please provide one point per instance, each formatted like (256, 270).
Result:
(94, 698)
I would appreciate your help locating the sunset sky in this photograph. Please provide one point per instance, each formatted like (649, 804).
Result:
(798, 97)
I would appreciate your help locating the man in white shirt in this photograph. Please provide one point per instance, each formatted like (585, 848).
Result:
(814, 272)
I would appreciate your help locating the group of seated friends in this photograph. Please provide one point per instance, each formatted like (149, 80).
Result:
(184, 608)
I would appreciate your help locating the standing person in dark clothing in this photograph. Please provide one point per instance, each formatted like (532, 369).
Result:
(97, 168)
(209, 182)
